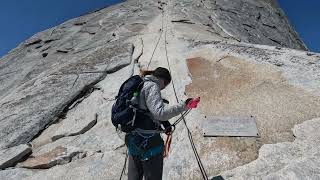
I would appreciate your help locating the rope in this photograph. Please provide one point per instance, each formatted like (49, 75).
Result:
(124, 166)
(202, 170)
(167, 146)
(182, 115)
(169, 138)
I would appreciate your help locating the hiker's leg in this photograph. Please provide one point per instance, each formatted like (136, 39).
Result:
(152, 168)
(135, 170)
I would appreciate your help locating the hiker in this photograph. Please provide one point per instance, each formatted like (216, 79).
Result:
(145, 145)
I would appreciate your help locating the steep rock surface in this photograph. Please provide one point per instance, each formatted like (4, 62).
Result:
(50, 70)
(291, 160)
(64, 80)
(11, 156)
(258, 22)
(65, 56)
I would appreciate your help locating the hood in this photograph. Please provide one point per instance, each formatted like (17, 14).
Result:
(153, 79)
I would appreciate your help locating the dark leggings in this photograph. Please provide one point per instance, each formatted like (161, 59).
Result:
(151, 169)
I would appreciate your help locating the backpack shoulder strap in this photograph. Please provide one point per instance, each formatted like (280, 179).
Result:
(140, 86)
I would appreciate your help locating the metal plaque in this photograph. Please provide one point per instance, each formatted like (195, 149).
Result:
(230, 126)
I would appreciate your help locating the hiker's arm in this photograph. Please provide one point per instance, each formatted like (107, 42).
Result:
(157, 108)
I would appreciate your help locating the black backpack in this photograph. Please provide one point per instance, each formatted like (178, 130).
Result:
(125, 109)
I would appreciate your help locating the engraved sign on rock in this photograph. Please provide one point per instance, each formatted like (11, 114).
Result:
(230, 126)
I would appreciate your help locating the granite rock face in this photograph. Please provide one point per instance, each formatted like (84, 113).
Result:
(290, 160)
(58, 156)
(13, 155)
(40, 77)
(242, 57)
(258, 22)
(44, 74)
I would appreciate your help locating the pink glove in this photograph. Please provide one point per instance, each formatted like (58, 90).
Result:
(193, 103)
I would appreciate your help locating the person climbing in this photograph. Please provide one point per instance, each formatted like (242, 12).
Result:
(144, 143)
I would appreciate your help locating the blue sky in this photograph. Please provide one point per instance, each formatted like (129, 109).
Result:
(305, 18)
(20, 19)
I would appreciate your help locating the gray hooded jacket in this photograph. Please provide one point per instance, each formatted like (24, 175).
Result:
(150, 99)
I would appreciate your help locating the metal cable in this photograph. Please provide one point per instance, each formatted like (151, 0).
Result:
(124, 166)
(202, 170)
(182, 115)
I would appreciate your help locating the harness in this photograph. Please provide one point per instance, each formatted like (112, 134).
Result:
(144, 141)
(142, 118)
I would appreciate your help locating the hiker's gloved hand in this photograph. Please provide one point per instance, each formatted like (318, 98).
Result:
(169, 130)
(193, 103)
(188, 100)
